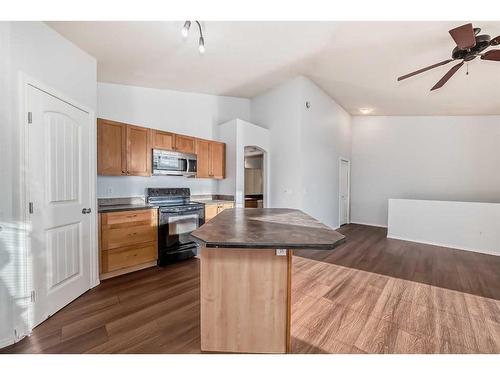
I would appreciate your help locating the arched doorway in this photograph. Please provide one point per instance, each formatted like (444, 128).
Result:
(255, 181)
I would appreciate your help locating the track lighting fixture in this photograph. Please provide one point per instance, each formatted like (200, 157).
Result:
(201, 41)
(185, 29)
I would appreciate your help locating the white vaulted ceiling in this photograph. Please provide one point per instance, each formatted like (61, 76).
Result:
(356, 63)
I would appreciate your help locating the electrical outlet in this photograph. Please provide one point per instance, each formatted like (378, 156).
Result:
(281, 252)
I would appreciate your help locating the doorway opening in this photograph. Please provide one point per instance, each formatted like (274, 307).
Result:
(344, 191)
(254, 177)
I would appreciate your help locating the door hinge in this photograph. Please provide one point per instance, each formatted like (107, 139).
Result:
(30, 117)
(31, 207)
(33, 296)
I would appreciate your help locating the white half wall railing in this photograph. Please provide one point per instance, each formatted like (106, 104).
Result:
(471, 226)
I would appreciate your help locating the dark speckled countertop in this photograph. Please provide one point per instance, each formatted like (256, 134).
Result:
(122, 204)
(125, 207)
(267, 228)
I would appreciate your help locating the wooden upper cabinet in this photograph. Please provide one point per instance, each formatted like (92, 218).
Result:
(126, 150)
(211, 159)
(217, 155)
(122, 149)
(202, 158)
(163, 140)
(185, 143)
(111, 148)
(138, 151)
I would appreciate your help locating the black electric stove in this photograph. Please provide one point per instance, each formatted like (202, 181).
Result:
(177, 218)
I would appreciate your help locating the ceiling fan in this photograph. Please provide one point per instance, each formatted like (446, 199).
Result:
(469, 46)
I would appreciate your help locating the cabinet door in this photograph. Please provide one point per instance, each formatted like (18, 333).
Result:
(217, 152)
(210, 211)
(203, 158)
(227, 205)
(163, 140)
(111, 148)
(222, 206)
(138, 151)
(184, 143)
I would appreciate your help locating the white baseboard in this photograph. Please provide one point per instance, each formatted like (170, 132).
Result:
(497, 253)
(369, 224)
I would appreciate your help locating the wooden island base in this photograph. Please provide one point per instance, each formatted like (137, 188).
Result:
(246, 276)
(245, 300)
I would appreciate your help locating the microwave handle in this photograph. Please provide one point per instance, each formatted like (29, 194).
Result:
(191, 165)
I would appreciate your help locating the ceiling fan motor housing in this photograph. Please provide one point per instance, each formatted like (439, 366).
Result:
(482, 42)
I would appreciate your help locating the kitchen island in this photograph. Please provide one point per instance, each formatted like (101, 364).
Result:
(246, 258)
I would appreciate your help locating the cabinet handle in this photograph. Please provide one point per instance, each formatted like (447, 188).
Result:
(130, 216)
(128, 173)
(124, 172)
(132, 234)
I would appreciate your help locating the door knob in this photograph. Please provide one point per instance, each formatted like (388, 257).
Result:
(86, 211)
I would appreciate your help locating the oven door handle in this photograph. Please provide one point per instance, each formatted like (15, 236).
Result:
(176, 211)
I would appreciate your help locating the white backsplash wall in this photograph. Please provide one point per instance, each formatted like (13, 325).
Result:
(133, 186)
(179, 112)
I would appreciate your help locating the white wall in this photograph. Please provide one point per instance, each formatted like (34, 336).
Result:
(280, 110)
(237, 134)
(226, 133)
(325, 137)
(37, 50)
(179, 112)
(306, 144)
(428, 157)
(468, 226)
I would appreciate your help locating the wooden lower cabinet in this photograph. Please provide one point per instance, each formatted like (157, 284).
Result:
(128, 256)
(213, 209)
(210, 211)
(128, 241)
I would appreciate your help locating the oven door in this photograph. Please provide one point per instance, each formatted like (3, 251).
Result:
(175, 226)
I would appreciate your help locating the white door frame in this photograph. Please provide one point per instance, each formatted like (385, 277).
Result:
(25, 83)
(341, 159)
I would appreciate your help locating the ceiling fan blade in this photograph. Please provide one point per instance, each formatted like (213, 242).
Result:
(424, 69)
(464, 36)
(447, 76)
(493, 55)
(495, 41)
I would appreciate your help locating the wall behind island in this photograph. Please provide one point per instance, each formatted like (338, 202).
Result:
(306, 144)
(448, 158)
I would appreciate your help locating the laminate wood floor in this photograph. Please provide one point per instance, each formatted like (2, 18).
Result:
(370, 295)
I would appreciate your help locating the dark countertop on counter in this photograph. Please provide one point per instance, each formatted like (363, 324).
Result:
(211, 201)
(124, 207)
(267, 228)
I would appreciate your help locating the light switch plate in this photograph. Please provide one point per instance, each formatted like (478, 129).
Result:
(281, 252)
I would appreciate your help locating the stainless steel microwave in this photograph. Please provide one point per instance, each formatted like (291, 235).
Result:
(171, 163)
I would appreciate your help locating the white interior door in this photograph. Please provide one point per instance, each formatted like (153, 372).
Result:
(344, 192)
(58, 191)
